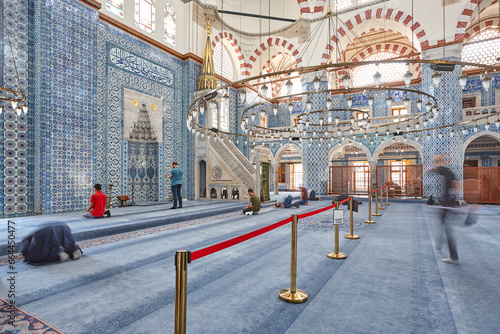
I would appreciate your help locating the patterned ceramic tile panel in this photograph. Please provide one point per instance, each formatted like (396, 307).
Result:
(14, 188)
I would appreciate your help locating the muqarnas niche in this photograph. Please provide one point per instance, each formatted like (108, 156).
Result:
(143, 124)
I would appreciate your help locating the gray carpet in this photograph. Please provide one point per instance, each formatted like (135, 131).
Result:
(392, 281)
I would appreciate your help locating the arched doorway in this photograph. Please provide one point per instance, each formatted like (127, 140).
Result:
(399, 166)
(482, 168)
(349, 171)
(290, 170)
(203, 178)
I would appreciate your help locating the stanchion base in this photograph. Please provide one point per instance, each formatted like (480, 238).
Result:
(337, 256)
(296, 297)
(381, 208)
(351, 236)
(370, 222)
(376, 214)
(387, 203)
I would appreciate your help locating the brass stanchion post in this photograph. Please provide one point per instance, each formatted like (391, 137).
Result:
(110, 195)
(369, 221)
(376, 204)
(337, 255)
(293, 295)
(381, 207)
(387, 195)
(182, 258)
(352, 235)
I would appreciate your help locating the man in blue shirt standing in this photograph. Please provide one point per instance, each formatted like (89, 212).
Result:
(176, 183)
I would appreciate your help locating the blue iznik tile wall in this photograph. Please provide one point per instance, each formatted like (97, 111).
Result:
(14, 188)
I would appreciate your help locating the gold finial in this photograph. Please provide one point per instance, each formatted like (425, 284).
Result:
(208, 26)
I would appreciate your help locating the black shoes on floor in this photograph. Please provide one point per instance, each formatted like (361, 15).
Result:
(107, 213)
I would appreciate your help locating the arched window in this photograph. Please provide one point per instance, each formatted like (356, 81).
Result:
(221, 56)
(363, 75)
(169, 24)
(115, 7)
(145, 15)
(482, 47)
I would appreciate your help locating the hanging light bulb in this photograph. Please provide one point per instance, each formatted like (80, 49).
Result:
(246, 118)
(202, 109)
(354, 136)
(431, 119)
(290, 107)
(389, 100)
(243, 94)
(440, 135)
(416, 138)
(486, 81)
(349, 102)
(393, 139)
(434, 109)
(329, 117)
(307, 122)
(428, 136)
(376, 133)
(190, 117)
(475, 128)
(436, 78)
(417, 125)
(226, 99)
(346, 79)
(314, 133)
(263, 90)
(352, 119)
(237, 140)
(328, 103)
(497, 123)
(370, 100)
(321, 120)
(424, 122)
(428, 106)
(14, 104)
(408, 75)
(376, 78)
(289, 86)
(337, 120)
(462, 80)
(262, 113)
(372, 142)
(308, 105)
(275, 109)
(406, 101)
(408, 127)
(364, 134)
(351, 131)
(1, 109)
(253, 115)
(452, 133)
(487, 126)
(464, 130)
(419, 104)
(19, 111)
(339, 133)
(316, 83)
(387, 132)
(195, 111)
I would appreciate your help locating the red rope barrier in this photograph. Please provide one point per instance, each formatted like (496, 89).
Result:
(231, 242)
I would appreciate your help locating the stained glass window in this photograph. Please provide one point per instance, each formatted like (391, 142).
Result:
(482, 48)
(169, 24)
(363, 75)
(145, 15)
(115, 7)
(221, 56)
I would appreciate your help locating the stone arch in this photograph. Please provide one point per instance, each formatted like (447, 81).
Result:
(236, 48)
(392, 14)
(386, 143)
(469, 140)
(279, 152)
(264, 46)
(262, 148)
(466, 17)
(491, 23)
(357, 144)
(307, 12)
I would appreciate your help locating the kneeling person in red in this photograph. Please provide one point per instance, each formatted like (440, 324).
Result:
(97, 207)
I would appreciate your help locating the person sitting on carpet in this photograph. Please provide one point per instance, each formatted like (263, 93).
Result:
(97, 204)
(254, 206)
(286, 202)
(312, 196)
(304, 197)
(50, 243)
